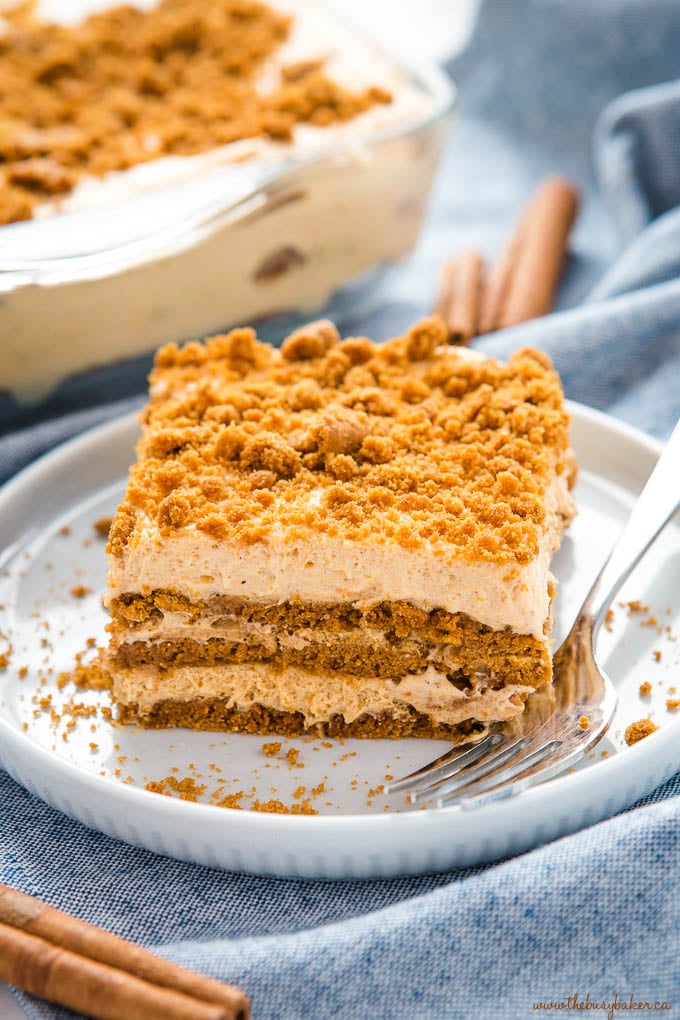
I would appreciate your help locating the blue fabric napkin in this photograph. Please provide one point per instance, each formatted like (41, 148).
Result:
(588, 88)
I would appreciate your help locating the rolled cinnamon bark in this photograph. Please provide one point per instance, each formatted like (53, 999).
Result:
(100, 991)
(542, 250)
(499, 280)
(459, 296)
(523, 284)
(36, 918)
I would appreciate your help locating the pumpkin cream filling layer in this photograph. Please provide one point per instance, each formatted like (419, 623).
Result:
(318, 698)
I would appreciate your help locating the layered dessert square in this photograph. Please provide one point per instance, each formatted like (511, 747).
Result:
(339, 537)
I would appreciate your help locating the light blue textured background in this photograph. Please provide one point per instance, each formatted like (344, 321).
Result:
(583, 87)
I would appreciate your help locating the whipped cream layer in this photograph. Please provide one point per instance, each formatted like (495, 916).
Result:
(318, 698)
(323, 569)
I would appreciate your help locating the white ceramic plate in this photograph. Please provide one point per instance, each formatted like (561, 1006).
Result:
(97, 772)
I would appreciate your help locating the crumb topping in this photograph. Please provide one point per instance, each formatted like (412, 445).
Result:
(411, 442)
(639, 730)
(127, 86)
(102, 526)
(186, 788)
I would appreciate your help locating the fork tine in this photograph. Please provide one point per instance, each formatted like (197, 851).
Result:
(484, 786)
(447, 764)
(467, 775)
(509, 786)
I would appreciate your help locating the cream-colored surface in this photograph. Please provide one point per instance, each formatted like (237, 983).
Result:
(321, 569)
(318, 698)
(118, 308)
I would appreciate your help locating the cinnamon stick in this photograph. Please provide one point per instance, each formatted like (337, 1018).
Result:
(35, 918)
(100, 991)
(497, 286)
(543, 245)
(459, 296)
(523, 284)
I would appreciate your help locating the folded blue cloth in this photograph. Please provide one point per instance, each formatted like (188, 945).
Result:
(581, 87)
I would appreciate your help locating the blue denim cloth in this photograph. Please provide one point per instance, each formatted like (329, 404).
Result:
(583, 87)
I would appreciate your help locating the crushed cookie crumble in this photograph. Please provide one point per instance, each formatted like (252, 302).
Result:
(321, 444)
(639, 730)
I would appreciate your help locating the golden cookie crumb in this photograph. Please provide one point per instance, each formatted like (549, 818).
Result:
(186, 788)
(232, 801)
(639, 730)
(635, 606)
(292, 755)
(103, 526)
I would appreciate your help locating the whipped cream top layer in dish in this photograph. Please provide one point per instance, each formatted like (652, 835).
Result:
(103, 102)
(339, 470)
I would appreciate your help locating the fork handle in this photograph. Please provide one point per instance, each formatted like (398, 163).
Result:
(657, 503)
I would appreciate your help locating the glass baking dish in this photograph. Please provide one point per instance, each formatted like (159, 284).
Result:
(270, 241)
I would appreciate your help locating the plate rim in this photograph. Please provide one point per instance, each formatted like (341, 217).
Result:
(532, 798)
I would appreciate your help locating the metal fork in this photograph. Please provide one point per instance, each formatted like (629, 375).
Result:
(562, 721)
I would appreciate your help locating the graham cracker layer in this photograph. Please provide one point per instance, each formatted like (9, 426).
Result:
(216, 714)
(397, 619)
(388, 640)
(357, 656)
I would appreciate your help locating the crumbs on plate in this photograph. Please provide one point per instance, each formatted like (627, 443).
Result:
(639, 730)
